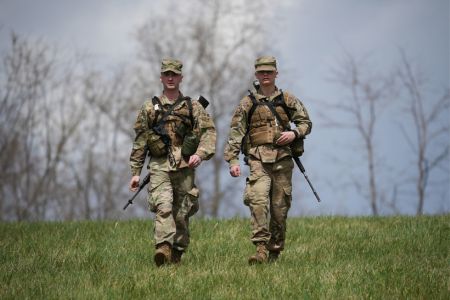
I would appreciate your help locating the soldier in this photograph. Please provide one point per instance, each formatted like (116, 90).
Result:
(261, 127)
(165, 128)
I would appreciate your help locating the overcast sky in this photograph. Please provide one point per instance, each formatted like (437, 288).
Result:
(311, 31)
(309, 36)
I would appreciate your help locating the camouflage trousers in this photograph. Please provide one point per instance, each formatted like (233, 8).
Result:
(268, 194)
(173, 197)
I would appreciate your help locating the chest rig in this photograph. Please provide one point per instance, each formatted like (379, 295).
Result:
(265, 122)
(172, 121)
(267, 119)
(170, 124)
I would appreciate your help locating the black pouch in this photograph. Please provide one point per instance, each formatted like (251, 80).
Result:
(297, 147)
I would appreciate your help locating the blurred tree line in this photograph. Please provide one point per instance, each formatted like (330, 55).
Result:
(66, 127)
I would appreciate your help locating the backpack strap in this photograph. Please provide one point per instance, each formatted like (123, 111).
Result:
(278, 101)
(157, 105)
(191, 113)
(255, 104)
(276, 114)
(166, 113)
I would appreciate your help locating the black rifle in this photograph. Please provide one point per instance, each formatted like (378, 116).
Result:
(302, 169)
(141, 186)
(166, 141)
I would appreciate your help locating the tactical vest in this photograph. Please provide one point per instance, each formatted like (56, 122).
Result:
(170, 124)
(263, 119)
(263, 126)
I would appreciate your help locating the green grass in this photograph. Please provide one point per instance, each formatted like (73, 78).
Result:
(325, 257)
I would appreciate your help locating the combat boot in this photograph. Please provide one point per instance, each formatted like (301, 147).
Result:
(260, 256)
(176, 256)
(273, 256)
(163, 254)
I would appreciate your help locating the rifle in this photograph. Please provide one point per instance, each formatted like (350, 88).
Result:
(141, 186)
(302, 169)
(166, 141)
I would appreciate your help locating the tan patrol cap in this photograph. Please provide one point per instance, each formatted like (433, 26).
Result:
(170, 64)
(265, 63)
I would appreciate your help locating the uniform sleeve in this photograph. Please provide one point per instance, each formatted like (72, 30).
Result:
(299, 116)
(238, 128)
(139, 150)
(204, 126)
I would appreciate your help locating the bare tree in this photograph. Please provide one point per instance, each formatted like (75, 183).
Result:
(37, 121)
(429, 138)
(367, 97)
(104, 171)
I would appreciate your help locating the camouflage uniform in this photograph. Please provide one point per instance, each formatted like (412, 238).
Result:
(173, 196)
(269, 187)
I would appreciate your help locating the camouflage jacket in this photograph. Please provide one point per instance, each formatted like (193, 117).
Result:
(267, 153)
(203, 127)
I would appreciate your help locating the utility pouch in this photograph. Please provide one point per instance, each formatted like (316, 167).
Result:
(190, 144)
(297, 147)
(155, 145)
(245, 145)
(181, 130)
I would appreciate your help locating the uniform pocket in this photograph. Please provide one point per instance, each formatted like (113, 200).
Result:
(249, 194)
(192, 204)
(288, 195)
(155, 145)
(151, 199)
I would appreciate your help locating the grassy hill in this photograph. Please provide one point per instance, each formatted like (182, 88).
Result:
(325, 257)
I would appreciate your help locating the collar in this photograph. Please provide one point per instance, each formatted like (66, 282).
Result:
(164, 100)
(261, 97)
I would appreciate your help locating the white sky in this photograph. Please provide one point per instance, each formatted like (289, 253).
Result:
(310, 31)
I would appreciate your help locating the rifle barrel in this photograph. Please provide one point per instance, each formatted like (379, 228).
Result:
(302, 169)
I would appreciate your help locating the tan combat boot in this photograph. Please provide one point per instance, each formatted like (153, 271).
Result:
(163, 254)
(260, 256)
(176, 256)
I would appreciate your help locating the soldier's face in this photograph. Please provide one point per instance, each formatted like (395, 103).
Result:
(171, 80)
(266, 77)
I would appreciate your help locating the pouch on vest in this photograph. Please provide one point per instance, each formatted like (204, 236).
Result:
(297, 147)
(245, 144)
(190, 144)
(155, 145)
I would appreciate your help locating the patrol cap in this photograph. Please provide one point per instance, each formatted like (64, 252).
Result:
(170, 64)
(265, 63)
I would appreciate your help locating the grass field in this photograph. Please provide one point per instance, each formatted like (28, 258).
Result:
(325, 258)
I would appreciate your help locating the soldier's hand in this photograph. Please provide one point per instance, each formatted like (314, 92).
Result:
(194, 161)
(235, 171)
(286, 138)
(134, 183)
